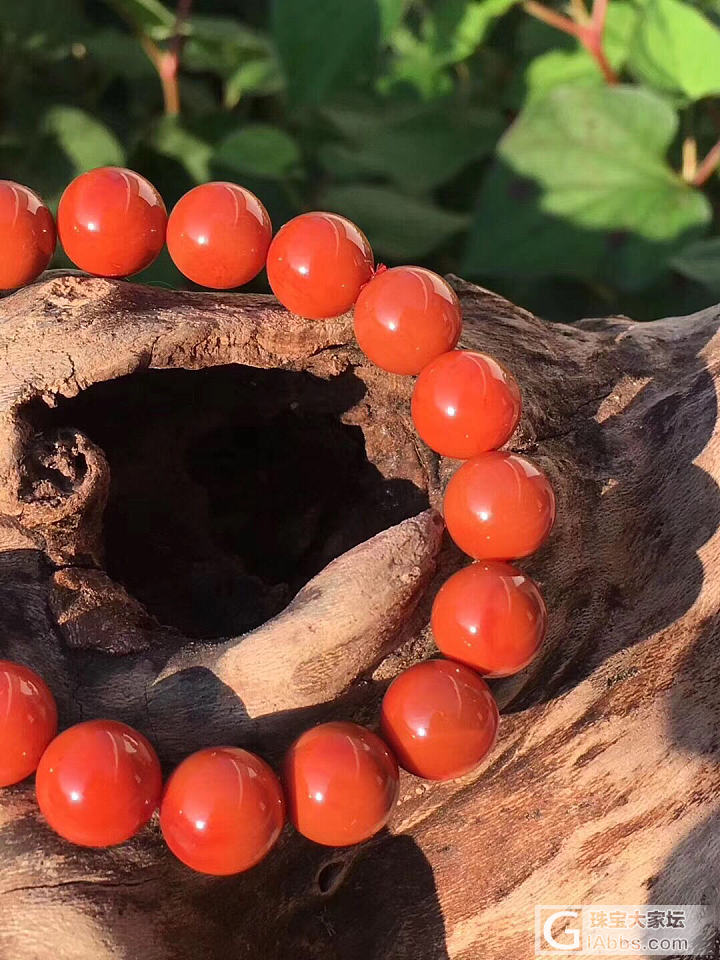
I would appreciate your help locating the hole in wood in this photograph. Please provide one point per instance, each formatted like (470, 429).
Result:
(331, 876)
(230, 487)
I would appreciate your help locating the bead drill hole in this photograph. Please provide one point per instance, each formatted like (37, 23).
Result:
(230, 487)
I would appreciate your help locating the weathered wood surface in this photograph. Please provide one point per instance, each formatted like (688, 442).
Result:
(204, 500)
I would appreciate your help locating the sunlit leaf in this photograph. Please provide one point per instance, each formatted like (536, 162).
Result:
(676, 48)
(581, 188)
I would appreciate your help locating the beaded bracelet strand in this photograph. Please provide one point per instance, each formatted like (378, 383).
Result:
(223, 808)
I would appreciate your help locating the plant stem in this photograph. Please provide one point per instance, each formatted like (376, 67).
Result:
(708, 166)
(167, 62)
(590, 34)
(552, 17)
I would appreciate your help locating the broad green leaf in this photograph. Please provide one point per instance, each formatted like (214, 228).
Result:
(149, 17)
(676, 49)
(429, 147)
(581, 188)
(86, 141)
(170, 138)
(325, 45)
(700, 261)
(398, 227)
(456, 28)
(260, 150)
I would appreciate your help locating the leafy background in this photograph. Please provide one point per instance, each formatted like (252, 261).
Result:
(570, 164)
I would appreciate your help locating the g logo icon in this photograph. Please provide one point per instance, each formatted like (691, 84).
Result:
(545, 940)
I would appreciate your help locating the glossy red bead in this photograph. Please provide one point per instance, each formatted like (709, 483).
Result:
(490, 616)
(341, 782)
(218, 235)
(98, 783)
(465, 403)
(405, 317)
(318, 263)
(112, 222)
(440, 719)
(27, 235)
(499, 506)
(28, 721)
(222, 810)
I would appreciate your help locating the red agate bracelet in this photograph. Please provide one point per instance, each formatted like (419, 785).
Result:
(223, 808)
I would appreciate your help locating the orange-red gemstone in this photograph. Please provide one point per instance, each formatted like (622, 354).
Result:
(490, 616)
(218, 235)
(499, 506)
(440, 718)
(405, 317)
(465, 403)
(341, 782)
(222, 810)
(28, 721)
(98, 783)
(27, 235)
(318, 263)
(112, 222)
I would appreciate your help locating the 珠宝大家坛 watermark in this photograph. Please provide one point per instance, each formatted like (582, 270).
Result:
(647, 930)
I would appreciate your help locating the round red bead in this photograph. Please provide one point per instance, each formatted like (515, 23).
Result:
(490, 616)
(440, 718)
(98, 783)
(27, 235)
(499, 506)
(318, 263)
(465, 403)
(112, 222)
(218, 235)
(222, 810)
(405, 317)
(342, 783)
(28, 721)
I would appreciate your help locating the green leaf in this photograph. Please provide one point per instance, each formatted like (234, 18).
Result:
(118, 53)
(398, 227)
(261, 77)
(149, 17)
(325, 45)
(700, 261)
(222, 46)
(677, 49)
(415, 64)
(456, 28)
(170, 138)
(86, 141)
(428, 147)
(581, 188)
(260, 150)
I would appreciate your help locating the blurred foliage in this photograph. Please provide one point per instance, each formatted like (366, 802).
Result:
(465, 134)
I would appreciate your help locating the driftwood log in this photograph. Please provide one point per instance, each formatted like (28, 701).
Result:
(175, 467)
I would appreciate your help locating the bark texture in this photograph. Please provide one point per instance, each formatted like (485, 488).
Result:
(175, 468)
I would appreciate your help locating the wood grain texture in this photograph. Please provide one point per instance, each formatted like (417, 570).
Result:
(604, 784)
